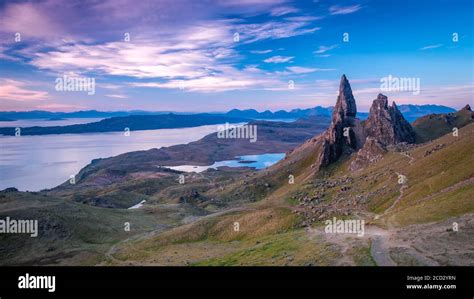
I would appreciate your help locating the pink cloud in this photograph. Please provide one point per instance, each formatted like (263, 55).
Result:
(16, 91)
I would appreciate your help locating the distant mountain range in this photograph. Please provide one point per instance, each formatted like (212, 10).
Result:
(143, 120)
(281, 114)
(410, 112)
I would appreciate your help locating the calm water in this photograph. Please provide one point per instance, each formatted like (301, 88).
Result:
(255, 161)
(37, 162)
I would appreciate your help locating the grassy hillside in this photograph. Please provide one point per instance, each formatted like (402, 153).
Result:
(73, 233)
(433, 126)
(438, 191)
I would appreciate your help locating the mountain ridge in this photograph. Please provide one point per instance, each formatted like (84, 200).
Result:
(411, 112)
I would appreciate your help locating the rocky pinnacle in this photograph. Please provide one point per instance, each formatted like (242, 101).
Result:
(386, 124)
(341, 136)
(345, 105)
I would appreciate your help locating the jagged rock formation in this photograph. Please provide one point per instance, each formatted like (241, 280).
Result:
(343, 135)
(386, 124)
(384, 127)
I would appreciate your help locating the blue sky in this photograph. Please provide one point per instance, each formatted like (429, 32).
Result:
(185, 55)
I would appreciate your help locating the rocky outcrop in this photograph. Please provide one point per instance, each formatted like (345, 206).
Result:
(342, 135)
(385, 127)
(386, 124)
(372, 152)
(467, 110)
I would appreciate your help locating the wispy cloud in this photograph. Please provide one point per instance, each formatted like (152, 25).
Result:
(14, 90)
(278, 59)
(116, 96)
(304, 18)
(200, 54)
(5, 56)
(261, 51)
(431, 47)
(274, 30)
(324, 49)
(305, 70)
(283, 10)
(110, 86)
(344, 10)
(227, 79)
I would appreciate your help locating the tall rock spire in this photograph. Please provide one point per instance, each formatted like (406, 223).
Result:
(345, 105)
(341, 136)
(385, 126)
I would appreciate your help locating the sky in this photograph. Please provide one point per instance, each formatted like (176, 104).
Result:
(207, 56)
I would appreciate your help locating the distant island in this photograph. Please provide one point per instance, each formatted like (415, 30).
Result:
(130, 123)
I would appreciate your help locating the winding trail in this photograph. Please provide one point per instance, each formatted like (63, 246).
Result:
(396, 201)
(406, 154)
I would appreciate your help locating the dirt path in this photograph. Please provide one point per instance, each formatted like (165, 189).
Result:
(396, 201)
(381, 240)
(380, 249)
(378, 237)
(406, 154)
